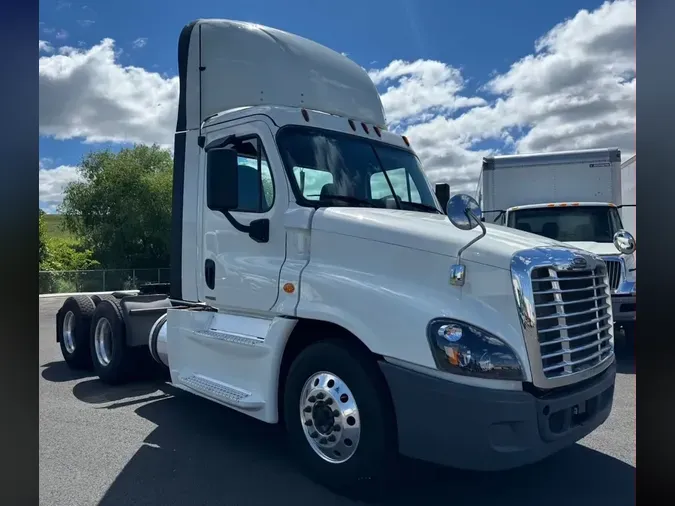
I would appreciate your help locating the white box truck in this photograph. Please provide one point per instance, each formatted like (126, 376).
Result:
(317, 283)
(628, 195)
(576, 197)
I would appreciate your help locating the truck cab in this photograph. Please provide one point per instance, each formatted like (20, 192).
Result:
(591, 226)
(317, 282)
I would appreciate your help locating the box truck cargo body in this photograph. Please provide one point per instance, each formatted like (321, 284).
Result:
(628, 195)
(574, 176)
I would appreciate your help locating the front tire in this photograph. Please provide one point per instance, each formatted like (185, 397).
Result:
(339, 418)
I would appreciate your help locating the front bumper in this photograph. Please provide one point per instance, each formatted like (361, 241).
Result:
(483, 429)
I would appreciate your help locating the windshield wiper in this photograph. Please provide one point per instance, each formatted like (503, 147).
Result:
(420, 205)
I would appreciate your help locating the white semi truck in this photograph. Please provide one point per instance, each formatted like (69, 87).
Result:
(576, 197)
(317, 283)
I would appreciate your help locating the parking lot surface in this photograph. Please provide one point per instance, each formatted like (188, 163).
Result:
(149, 444)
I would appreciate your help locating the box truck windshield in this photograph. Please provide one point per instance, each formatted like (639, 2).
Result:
(569, 224)
(330, 168)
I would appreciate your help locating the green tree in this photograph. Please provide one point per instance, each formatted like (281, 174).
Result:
(121, 207)
(42, 237)
(67, 255)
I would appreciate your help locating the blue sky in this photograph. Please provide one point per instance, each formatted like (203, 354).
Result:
(481, 39)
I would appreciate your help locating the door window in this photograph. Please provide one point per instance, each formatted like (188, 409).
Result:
(256, 185)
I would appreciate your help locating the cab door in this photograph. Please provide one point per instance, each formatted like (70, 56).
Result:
(241, 270)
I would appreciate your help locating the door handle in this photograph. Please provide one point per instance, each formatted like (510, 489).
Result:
(210, 273)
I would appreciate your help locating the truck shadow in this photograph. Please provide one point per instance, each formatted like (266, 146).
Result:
(59, 372)
(201, 453)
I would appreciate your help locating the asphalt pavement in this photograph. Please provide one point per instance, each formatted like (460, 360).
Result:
(149, 444)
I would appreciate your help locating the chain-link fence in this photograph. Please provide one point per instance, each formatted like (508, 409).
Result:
(100, 280)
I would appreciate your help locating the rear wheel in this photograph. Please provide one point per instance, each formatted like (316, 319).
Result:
(339, 418)
(72, 330)
(113, 360)
(97, 298)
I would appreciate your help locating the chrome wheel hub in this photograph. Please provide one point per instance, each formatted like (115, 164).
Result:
(103, 341)
(69, 332)
(330, 417)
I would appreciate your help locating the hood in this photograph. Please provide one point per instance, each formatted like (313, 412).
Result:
(599, 248)
(428, 232)
(608, 249)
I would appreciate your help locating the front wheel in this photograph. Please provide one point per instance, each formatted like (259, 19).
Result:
(339, 418)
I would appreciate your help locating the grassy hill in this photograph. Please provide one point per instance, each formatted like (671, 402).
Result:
(54, 224)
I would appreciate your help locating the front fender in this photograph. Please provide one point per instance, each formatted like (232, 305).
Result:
(386, 295)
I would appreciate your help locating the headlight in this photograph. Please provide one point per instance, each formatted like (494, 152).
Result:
(460, 348)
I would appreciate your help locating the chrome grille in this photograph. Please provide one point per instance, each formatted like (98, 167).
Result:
(573, 318)
(614, 272)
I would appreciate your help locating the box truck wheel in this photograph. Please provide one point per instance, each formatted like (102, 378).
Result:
(339, 418)
(113, 360)
(72, 330)
(625, 338)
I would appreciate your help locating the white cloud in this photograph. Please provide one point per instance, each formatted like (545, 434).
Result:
(88, 94)
(85, 22)
(576, 90)
(45, 46)
(52, 184)
(139, 42)
(61, 34)
(417, 91)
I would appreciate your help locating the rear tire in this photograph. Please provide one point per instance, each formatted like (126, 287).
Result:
(97, 298)
(72, 331)
(365, 435)
(113, 360)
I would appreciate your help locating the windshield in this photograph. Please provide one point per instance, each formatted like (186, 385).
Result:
(333, 169)
(569, 224)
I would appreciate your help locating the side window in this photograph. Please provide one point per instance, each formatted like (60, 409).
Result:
(403, 185)
(256, 185)
(312, 181)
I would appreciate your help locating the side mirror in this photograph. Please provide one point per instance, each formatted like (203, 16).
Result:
(624, 242)
(443, 194)
(464, 212)
(222, 180)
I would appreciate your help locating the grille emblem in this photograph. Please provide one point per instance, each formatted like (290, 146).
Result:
(579, 263)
